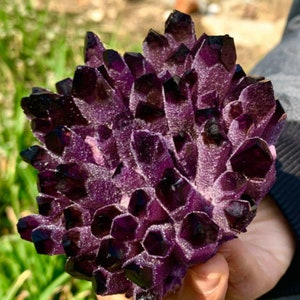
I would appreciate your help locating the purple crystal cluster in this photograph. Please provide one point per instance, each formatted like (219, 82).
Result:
(148, 163)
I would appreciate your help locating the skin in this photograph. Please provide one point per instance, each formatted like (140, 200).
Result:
(244, 268)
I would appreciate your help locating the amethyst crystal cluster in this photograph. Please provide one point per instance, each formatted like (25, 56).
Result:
(148, 163)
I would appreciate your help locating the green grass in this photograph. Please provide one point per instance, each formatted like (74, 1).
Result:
(24, 273)
(37, 48)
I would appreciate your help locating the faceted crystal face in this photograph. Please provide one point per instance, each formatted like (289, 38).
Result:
(198, 230)
(81, 266)
(239, 214)
(172, 190)
(140, 275)
(103, 219)
(123, 227)
(253, 160)
(138, 202)
(158, 240)
(155, 244)
(148, 162)
(111, 254)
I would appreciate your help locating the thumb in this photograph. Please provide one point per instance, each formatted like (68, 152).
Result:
(206, 281)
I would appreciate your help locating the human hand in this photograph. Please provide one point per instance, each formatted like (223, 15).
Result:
(244, 268)
(247, 267)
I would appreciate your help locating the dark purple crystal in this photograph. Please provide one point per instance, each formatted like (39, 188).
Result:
(81, 266)
(138, 202)
(158, 240)
(113, 60)
(213, 132)
(47, 239)
(75, 216)
(148, 112)
(102, 220)
(239, 214)
(141, 275)
(32, 154)
(57, 139)
(70, 181)
(252, 159)
(172, 190)
(199, 230)
(112, 254)
(123, 227)
(84, 82)
(93, 50)
(155, 39)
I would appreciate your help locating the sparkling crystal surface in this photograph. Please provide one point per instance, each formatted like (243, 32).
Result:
(148, 162)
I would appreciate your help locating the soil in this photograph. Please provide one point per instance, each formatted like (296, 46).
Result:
(256, 25)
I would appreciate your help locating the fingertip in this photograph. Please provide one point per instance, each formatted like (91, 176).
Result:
(206, 281)
(215, 265)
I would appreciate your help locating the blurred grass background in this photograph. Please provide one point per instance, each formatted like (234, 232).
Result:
(37, 48)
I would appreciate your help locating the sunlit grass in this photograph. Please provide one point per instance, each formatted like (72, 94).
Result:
(37, 48)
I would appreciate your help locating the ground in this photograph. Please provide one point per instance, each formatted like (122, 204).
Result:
(256, 25)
